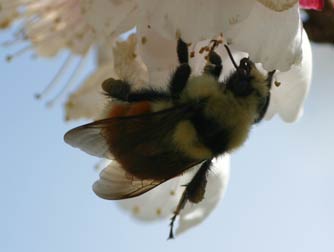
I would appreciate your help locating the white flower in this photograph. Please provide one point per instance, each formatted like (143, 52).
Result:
(53, 25)
(157, 51)
(161, 202)
(269, 31)
(75, 25)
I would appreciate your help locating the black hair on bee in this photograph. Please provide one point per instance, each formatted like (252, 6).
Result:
(157, 135)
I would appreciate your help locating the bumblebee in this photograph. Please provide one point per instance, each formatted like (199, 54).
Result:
(156, 135)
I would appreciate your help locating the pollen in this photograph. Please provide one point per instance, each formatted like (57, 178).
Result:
(202, 50)
(277, 83)
(143, 40)
(172, 193)
(158, 211)
(135, 209)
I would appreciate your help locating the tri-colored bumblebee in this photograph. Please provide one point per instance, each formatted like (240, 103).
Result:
(157, 135)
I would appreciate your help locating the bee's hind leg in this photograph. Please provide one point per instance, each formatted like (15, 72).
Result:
(194, 192)
(117, 89)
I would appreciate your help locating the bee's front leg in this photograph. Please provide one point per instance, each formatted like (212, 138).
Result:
(214, 66)
(182, 72)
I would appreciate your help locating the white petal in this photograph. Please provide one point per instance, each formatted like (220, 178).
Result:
(162, 201)
(288, 99)
(158, 53)
(217, 184)
(194, 20)
(128, 64)
(278, 5)
(272, 38)
(160, 57)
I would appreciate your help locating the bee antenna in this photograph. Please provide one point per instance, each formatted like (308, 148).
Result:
(231, 57)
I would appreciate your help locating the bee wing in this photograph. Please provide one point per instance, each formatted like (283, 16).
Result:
(90, 140)
(138, 142)
(115, 183)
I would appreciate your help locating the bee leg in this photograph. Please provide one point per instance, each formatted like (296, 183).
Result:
(147, 95)
(194, 192)
(116, 89)
(214, 66)
(179, 80)
(183, 71)
(182, 52)
(121, 90)
(263, 107)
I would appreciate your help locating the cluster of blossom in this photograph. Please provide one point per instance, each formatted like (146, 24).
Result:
(269, 31)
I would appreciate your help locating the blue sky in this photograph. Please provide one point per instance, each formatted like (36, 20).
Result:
(280, 196)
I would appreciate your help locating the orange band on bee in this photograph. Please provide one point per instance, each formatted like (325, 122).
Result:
(118, 110)
(138, 108)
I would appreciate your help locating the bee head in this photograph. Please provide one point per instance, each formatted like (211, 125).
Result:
(246, 79)
(239, 83)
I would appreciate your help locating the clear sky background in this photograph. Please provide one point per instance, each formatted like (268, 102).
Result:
(280, 196)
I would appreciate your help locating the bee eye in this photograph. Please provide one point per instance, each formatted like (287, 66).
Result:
(245, 66)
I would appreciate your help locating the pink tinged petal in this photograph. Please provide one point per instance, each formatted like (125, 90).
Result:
(161, 202)
(312, 4)
(88, 101)
(120, 62)
(288, 98)
(272, 38)
(110, 18)
(8, 12)
(55, 25)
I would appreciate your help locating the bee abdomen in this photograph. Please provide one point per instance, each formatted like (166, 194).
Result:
(211, 133)
(187, 140)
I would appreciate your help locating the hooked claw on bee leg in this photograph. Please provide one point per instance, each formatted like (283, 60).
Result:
(214, 65)
(179, 207)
